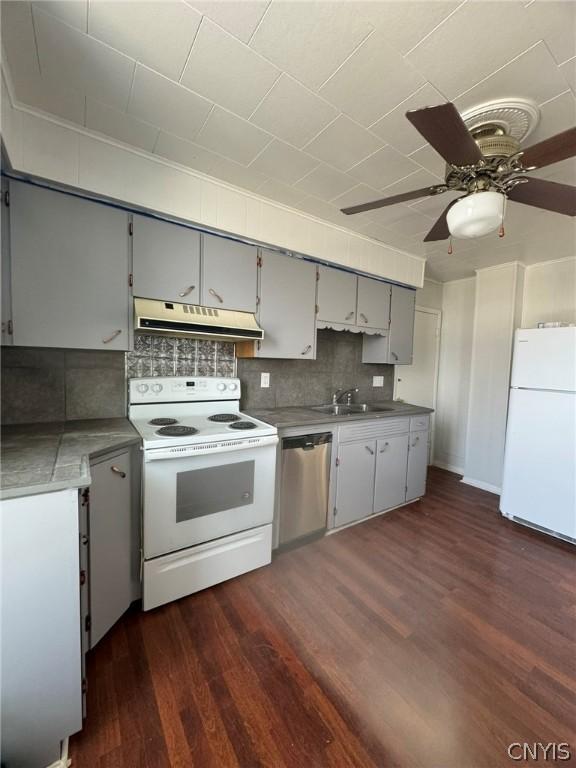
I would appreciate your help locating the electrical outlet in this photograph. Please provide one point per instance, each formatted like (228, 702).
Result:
(264, 380)
(377, 381)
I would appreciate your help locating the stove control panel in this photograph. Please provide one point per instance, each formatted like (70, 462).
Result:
(180, 389)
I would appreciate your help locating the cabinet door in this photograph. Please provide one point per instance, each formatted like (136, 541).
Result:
(417, 465)
(355, 481)
(111, 543)
(401, 337)
(69, 260)
(165, 261)
(391, 462)
(336, 296)
(373, 310)
(6, 307)
(229, 274)
(287, 307)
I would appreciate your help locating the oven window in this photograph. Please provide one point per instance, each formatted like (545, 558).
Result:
(201, 492)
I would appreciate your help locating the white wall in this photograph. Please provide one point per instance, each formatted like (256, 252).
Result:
(550, 292)
(430, 295)
(43, 146)
(454, 374)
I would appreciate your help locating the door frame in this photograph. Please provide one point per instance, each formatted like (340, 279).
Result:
(438, 314)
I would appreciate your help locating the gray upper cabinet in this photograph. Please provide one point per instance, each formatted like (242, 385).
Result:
(287, 308)
(355, 481)
(111, 540)
(373, 309)
(165, 261)
(402, 325)
(336, 297)
(6, 307)
(229, 274)
(70, 271)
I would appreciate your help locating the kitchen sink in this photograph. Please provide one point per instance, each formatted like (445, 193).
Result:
(339, 409)
(367, 408)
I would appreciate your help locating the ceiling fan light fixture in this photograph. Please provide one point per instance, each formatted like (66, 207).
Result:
(476, 215)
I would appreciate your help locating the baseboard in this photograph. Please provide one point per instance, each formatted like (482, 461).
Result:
(448, 467)
(64, 761)
(482, 485)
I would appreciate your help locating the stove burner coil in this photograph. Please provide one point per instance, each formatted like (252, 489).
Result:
(178, 431)
(163, 422)
(242, 425)
(224, 417)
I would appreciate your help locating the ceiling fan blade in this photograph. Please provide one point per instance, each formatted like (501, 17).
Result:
(440, 229)
(444, 129)
(549, 195)
(384, 201)
(552, 150)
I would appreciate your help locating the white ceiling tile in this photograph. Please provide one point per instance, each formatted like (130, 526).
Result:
(241, 84)
(396, 130)
(158, 34)
(79, 61)
(73, 12)
(237, 174)
(405, 23)
(321, 210)
(284, 163)
(120, 126)
(50, 96)
(475, 41)
(238, 17)
(555, 21)
(435, 205)
(563, 172)
(568, 69)
(159, 101)
(361, 193)
(374, 80)
(391, 214)
(282, 193)
(185, 153)
(416, 180)
(556, 116)
(232, 137)
(411, 224)
(343, 143)
(429, 159)
(292, 112)
(533, 75)
(325, 182)
(383, 168)
(18, 42)
(310, 40)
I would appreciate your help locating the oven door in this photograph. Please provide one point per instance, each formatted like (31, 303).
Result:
(199, 498)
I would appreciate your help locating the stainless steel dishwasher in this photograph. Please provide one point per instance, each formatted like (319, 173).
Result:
(304, 485)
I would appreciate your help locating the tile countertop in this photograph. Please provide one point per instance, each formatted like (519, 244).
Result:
(41, 458)
(301, 416)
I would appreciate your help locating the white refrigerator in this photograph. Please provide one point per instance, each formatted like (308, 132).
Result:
(539, 482)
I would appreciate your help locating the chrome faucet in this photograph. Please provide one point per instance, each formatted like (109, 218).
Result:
(341, 393)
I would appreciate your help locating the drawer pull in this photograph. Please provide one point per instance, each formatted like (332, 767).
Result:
(394, 355)
(187, 291)
(349, 316)
(212, 292)
(306, 349)
(370, 451)
(110, 338)
(363, 316)
(117, 471)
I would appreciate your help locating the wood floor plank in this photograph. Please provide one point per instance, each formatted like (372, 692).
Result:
(430, 637)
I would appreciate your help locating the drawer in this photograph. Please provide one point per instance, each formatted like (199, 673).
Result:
(384, 427)
(419, 423)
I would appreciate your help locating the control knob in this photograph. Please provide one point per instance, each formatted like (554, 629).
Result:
(157, 388)
(221, 386)
(142, 388)
(232, 386)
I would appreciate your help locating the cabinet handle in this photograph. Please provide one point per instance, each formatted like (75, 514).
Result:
(370, 451)
(212, 292)
(363, 316)
(112, 337)
(187, 291)
(394, 355)
(118, 471)
(416, 440)
(385, 446)
(349, 316)
(306, 349)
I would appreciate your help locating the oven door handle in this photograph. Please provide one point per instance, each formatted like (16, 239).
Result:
(209, 449)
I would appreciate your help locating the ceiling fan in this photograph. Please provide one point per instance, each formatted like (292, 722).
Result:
(488, 165)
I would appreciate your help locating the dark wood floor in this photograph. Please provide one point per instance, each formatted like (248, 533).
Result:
(433, 636)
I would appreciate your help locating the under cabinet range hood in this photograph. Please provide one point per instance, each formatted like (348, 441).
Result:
(173, 319)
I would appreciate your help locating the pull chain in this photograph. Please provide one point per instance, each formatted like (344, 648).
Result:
(501, 232)
(450, 247)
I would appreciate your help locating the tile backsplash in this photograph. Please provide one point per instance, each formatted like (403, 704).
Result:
(171, 356)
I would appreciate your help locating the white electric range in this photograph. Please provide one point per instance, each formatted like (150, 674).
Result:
(208, 484)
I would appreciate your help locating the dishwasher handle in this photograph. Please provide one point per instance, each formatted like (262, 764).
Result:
(306, 442)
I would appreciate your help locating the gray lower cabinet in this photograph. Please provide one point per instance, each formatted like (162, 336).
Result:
(111, 542)
(165, 261)
(355, 481)
(373, 310)
(417, 465)
(70, 271)
(336, 296)
(394, 346)
(229, 274)
(287, 307)
(391, 462)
